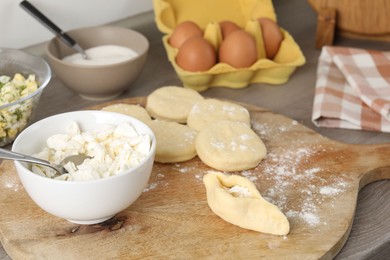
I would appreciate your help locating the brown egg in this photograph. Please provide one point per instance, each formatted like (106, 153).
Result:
(196, 54)
(183, 32)
(238, 49)
(272, 36)
(227, 27)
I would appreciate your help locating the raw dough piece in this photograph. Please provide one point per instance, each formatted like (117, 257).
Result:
(172, 103)
(229, 146)
(211, 110)
(135, 111)
(175, 142)
(246, 209)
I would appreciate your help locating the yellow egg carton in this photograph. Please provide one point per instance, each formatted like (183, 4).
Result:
(207, 14)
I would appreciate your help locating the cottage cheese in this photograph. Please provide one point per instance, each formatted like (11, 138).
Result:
(114, 149)
(240, 192)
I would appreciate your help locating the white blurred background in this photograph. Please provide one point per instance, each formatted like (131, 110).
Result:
(18, 29)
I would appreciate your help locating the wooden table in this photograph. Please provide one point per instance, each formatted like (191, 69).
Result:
(370, 235)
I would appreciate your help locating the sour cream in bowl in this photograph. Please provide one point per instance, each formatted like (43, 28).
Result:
(117, 58)
(122, 148)
(102, 55)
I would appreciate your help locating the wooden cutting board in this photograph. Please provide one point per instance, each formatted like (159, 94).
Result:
(314, 180)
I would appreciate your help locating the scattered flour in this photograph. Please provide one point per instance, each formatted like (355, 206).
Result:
(153, 184)
(330, 190)
(285, 168)
(282, 169)
(310, 218)
(183, 169)
(199, 177)
(249, 175)
(150, 186)
(291, 168)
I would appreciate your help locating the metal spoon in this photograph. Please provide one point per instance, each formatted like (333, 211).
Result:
(54, 28)
(76, 159)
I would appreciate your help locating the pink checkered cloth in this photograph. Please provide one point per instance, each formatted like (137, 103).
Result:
(352, 89)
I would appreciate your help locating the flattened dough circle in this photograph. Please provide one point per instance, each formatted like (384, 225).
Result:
(175, 142)
(229, 146)
(135, 111)
(211, 110)
(172, 103)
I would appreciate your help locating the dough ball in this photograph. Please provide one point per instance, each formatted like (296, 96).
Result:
(175, 142)
(172, 103)
(211, 110)
(135, 111)
(229, 146)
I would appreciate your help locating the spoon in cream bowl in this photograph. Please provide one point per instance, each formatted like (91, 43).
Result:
(76, 159)
(64, 37)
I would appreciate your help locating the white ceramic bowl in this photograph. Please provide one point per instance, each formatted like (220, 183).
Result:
(15, 116)
(82, 202)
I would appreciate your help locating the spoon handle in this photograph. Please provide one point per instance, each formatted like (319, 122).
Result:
(54, 28)
(9, 155)
(48, 23)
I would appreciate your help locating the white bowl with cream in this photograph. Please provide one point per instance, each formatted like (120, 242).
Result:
(86, 201)
(117, 57)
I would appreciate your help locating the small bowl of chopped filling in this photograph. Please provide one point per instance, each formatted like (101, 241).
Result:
(120, 152)
(115, 59)
(23, 77)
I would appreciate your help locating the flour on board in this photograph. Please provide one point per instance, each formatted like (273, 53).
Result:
(285, 168)
(158, 181)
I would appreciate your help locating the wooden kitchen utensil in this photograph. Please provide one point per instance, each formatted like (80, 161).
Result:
(314, 180)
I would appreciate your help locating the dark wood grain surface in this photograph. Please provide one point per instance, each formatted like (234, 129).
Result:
(370, 234)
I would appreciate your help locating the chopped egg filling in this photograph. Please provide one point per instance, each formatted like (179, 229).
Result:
(15, 117)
